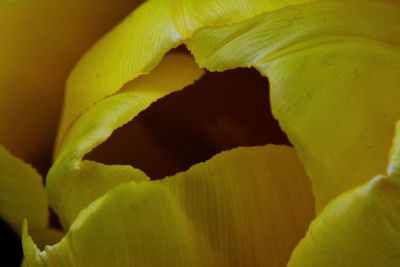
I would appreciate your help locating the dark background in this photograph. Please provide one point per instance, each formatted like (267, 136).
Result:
(11, 250)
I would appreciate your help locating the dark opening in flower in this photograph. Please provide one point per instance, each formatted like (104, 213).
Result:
(135, 106)
(220, 111)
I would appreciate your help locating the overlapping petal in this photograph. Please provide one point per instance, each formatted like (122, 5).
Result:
(248, 206)
(176, 71)
(333, 67)
(22, 196)
(40, 41)
(359, 228)
(138, 44)
(90, 182)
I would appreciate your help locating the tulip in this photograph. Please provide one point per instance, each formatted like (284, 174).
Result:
(333, 69)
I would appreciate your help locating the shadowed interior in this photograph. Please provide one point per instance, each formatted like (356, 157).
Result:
(220, 111)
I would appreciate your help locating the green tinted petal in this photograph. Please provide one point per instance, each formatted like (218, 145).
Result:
(139, 42)
(31, 251)
(41, 40)
(22, 196)
(245, 207)
(359, 228)
(394, 161)
(333, 68)
(97, 124)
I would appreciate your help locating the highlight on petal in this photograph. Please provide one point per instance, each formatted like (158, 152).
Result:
(138, 44)
(22, 196)
(333, 68)
(248, 206)
(31, 251)
(359, 228)
(394, 160)
(176, 71)
(40, 42)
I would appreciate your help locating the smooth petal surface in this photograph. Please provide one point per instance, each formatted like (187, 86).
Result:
(176, 71)
(138, 44)
(359, 228)
(244, 207)
(22, 196)
(333, 68)
(40, 41)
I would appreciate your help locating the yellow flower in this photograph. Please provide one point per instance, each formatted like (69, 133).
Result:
(333, 68)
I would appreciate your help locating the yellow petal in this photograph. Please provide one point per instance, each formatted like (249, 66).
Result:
(333, 67)
(40, 42)
(22, 196)
(22, 193)
(359, 228)
(176, 71)
(138, 44)
(253, 204)
(394, 161)
(90, 182)
(31, 251)
(245, 207)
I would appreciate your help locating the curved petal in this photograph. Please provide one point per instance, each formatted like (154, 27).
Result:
(40, 42)
(20, 184)
(253, 204)
(22, 196)
(90, 182)
(137, 45)
(176, 71)
(359, 228)
(244, 207)
(333, 68)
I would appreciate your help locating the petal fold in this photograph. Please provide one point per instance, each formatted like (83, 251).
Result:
(245, 207)
(175, 72)
(360, 227)
(22, 193)
(138, 43)
(22, 196)
(333, 68)
(90, 182)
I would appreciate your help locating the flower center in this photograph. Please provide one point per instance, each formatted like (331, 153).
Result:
(220, 111)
